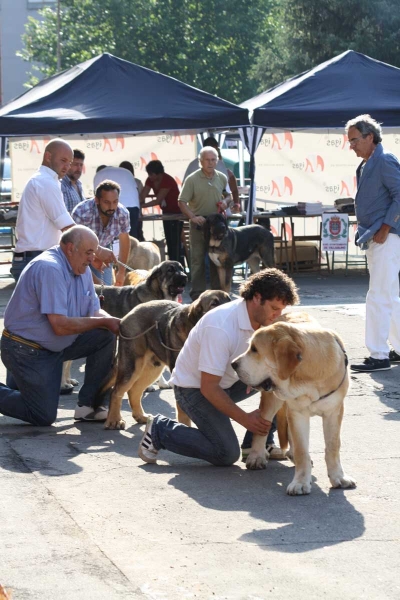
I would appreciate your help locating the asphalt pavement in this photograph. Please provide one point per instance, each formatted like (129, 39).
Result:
(83, 518)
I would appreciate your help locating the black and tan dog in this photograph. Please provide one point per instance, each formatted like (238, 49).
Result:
(151, 336)
(164, 282)
(229, 246)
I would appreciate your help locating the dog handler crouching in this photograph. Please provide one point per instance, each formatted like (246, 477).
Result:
(53, 316)
(205, 385)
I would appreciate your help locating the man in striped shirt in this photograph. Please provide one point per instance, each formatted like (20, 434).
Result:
(71, 187)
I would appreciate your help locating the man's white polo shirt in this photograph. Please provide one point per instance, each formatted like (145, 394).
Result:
(217, 339)
(41, 213)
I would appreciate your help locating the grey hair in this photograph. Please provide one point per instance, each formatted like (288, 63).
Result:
(365, 125)
(208, 149)
(76, 234)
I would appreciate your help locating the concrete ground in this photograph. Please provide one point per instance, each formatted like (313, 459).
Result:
(82, 517)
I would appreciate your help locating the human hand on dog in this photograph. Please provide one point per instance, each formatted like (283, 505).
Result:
(120, 277)
(198, 220)
(112, 324)
(105, 255)
(255, 423)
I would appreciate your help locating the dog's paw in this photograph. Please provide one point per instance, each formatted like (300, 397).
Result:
(73, 382)
(298, 488)
(151, 388)
(114, 423)
(141, 419)
(256, 461)
(343, 481)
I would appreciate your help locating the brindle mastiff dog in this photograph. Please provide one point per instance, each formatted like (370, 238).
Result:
(164, 282)
(229, 246)
(151, 336)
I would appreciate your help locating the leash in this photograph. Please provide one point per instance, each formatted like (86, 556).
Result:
(155, 326)
(101, 295)
(126, 266)
(346, 362)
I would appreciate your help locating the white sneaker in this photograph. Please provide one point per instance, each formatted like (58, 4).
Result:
(146, 451)
(87, 413)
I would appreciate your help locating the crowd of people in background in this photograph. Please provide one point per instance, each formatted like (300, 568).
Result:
(115, 211)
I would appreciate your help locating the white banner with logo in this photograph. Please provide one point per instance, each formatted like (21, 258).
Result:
(335, 232)
(309, 166)
(174, 151)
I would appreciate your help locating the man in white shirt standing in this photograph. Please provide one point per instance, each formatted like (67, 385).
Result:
(42, 214)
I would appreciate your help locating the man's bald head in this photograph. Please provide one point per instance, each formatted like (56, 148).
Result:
(79, 244)
(58, 156)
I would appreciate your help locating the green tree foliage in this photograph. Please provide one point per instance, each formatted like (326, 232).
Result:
(210, 44)
(308, 32)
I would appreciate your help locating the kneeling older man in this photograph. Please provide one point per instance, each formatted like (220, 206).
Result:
(54, 315)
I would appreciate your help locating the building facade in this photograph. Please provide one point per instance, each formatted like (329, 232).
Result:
(13, 70)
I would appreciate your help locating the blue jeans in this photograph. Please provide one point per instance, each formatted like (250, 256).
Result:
(34, 375)
(214, 440)
(105, 277)
(19, 262)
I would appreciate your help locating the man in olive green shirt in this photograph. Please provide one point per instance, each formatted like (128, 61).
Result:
(203, 193)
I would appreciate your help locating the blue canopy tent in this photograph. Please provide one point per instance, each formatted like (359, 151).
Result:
(109, 95)
(329, 95)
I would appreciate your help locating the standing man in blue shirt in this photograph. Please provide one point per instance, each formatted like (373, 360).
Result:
(377, 205)
(54, 316)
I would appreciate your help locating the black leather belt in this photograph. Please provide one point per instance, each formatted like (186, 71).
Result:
(29, 253)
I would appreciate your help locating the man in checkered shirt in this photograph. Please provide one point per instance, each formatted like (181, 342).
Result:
(109, 220)
(71, 187)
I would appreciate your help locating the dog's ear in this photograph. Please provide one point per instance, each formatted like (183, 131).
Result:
(196, 310)
(288, 356)
(207, 229)
(153, 279)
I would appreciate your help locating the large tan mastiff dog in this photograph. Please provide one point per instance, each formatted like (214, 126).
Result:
(298, 362)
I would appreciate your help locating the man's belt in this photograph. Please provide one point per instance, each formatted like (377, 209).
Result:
(28, 253)
(21, 340)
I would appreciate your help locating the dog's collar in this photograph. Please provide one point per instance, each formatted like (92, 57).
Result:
(346, 362)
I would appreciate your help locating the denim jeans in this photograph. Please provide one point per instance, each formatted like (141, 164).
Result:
(34, 375)
(214, 440)
(105, 276)
(19, 263)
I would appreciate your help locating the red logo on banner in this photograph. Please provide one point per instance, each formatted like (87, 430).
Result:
(143, 161)
(314, 162)
(348, 186)
(35, 145)
(281, 139)
(282, 187)
(111, 144)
